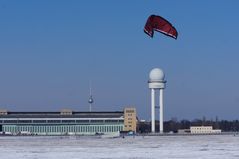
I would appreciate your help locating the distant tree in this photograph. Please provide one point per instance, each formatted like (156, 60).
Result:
(196, 122)
(236, 125)
(144, 127)
(204, 121)
(185, 124)
(174, 125)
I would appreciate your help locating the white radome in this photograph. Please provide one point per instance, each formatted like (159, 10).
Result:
(156, 74)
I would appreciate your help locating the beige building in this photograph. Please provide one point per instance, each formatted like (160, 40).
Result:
(3, 112)
(204, 130)
(130, 120)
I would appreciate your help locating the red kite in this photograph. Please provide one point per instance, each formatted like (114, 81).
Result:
(157, 23)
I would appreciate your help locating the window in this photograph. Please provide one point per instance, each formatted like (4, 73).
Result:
(121, 121)
(39, 121)
(54, 121)
(82, 121)
(10, 121)
(97, 121)
(111, 121)
(68, 121)
(24, 121)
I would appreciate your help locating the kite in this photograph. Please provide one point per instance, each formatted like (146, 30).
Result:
(158, 23)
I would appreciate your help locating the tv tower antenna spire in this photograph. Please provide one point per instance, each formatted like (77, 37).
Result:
(90, 101)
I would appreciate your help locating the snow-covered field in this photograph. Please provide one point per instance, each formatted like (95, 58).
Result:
(158, 147)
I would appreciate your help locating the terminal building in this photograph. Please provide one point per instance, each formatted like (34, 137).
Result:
(67, 122)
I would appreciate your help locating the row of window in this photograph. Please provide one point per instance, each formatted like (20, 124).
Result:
(60, 121)
(202, 128)
(63, 128)
(195, 132)
(130, 111)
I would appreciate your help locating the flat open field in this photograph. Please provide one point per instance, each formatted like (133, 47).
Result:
(148, 147)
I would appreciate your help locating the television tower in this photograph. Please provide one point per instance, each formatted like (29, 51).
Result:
(156, 83)
(90, 101)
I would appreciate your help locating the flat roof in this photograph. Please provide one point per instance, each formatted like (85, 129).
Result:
(75, 114)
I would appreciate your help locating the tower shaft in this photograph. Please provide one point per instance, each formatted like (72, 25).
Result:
(152, 110)
(161, 110)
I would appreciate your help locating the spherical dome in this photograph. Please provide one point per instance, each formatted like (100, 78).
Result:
(90, 100)
(156, 74)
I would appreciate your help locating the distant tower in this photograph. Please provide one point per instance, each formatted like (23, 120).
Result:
(156, 82)
(90, 101)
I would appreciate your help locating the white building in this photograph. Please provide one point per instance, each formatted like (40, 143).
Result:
(204, 130)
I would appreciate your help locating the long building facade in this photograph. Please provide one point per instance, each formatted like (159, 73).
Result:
(66, 122)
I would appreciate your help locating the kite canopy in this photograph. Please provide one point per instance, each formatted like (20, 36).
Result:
(158, 23)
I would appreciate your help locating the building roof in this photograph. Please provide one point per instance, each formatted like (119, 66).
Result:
(116, 114)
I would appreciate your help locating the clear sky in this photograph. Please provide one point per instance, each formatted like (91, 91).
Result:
(50, 50)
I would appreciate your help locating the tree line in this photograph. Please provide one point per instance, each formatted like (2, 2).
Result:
(174, 125)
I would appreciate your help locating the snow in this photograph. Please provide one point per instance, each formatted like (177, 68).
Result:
(148, 147)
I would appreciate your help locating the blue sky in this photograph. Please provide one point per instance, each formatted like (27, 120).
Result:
(50, 50)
